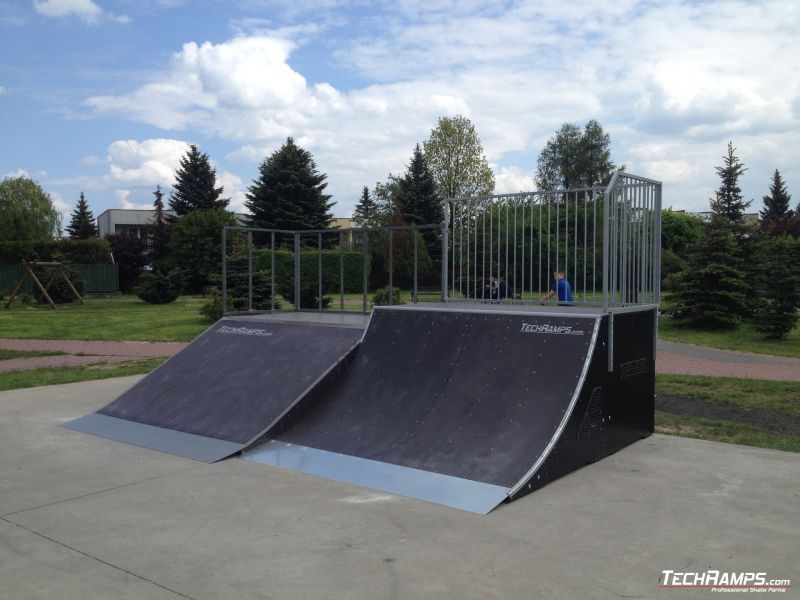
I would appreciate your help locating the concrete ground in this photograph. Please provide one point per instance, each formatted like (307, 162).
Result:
(83, 517)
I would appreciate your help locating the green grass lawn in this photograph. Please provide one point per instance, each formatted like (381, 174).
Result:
(14, 380)
(107, 318)
(744, 339)
(780, 399)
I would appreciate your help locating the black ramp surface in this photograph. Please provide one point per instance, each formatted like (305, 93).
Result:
(230, 384)
(477, 396)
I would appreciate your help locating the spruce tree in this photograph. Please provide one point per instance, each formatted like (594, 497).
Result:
(729, 202)
(289, 192)
(712, 292)
(366, 211)
(196, 185)
(160, 228)
(417, 199)
(778, 289)
(776, 216)
(82, 225)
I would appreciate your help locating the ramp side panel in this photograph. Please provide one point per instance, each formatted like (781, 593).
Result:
(466, 495)
(196, 447)
(234, 379)
(469, 395)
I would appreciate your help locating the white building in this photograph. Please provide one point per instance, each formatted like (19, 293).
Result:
(136, 222)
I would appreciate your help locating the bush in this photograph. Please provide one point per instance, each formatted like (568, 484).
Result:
(309, 294)
(238, 284)
(59, 290)
(309, 267)
(381, 297)
(195, 246)
(90, 251)
(161, 286)
(129, 254)
(212, 309)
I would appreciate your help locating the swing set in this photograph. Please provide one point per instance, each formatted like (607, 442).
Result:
(28, 271)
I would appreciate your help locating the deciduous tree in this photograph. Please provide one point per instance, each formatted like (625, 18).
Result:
(455, 158)
(26, 211)
(573, 158)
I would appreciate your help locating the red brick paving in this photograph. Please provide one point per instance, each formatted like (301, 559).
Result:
(674, 358)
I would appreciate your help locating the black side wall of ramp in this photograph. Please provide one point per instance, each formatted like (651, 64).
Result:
(223, 390)
(614, 409)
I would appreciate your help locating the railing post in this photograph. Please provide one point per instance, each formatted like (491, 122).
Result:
(319, 271)
(445, 228)
(297, 271)
(364, 271)
(414, 298)
(606, 241)
(250, 271)
(391, 264)
(272, 270)
(341, 271)
(224, 271)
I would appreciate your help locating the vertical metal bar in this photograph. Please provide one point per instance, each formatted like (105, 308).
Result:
(514, 271)
(611, 342)
(483, 250)
(249, 270)
(575, 243)
(594, 248)
(415, 297)
(505, 279)
(453, 244)
(558, 233)
(585, 249)
(606, 245)
(272, 271)
(566, 235)
(445, 227)
(657, 246)
(224, 270)
(319, 271)
(391, 266)
(491, 243)
(522, 266)
(365, 271)
(297, 271)
(461, 250)
(341, 270)
(539, 258)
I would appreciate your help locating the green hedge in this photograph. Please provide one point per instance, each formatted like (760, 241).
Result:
(309, 268)
(91, 251)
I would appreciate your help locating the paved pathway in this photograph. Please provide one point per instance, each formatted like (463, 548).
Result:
(79, 352)
(688, 359)
(673, 357)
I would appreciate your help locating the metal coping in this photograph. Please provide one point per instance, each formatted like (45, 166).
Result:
(464, 494)
(521, 311)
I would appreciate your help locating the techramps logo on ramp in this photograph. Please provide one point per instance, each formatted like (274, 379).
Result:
(244, 331)
(546, 328)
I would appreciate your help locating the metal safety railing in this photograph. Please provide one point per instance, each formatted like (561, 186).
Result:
(504, 248)
(605, 240)
(309, 268)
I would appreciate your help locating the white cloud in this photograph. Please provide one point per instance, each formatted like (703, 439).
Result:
(681, 77)
(17, 173)
(146, 163)
(233, 189)
(510, 180)
(86, 10)
(3, 90)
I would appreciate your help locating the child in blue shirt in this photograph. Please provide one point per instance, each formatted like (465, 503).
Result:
(561, 288)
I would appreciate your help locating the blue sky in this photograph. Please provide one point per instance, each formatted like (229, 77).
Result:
(104, 95)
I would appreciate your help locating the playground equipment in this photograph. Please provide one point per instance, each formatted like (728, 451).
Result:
(468, 401)
(28, 271)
